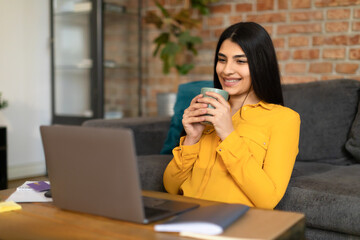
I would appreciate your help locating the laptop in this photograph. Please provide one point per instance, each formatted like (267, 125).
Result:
(94, 170)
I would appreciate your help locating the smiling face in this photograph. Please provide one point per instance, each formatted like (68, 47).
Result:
(233, 71)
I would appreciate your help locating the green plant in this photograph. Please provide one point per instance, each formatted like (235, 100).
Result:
(3, 102)
(176, 41)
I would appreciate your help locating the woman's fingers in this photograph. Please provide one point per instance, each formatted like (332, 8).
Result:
(196, 106)
(191, 120)
(215, 103)
(217, 96)
(195, 112)
(195, 99)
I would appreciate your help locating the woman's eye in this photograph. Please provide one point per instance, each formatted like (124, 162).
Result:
(241, 61)
(221, 60)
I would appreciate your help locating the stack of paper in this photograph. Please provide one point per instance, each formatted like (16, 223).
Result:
(25, 193)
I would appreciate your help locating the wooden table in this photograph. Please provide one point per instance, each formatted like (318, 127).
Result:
(45, 221)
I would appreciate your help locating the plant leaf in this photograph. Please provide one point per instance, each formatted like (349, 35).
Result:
(185, 68)
(168, 54)
(161, 40)
(184, 18)
(202, 6)
(189, 41)
(166, 65)
(170, 49)
(163, 10)
(153, 18)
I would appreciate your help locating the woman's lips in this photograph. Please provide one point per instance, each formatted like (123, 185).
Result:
(229, 82)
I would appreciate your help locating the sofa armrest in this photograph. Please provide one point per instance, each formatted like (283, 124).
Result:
(151, 171)
(149, 132)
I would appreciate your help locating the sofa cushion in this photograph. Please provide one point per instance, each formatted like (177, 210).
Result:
(309, 168)
(327, 110)
(186, 93)
(151, 169)
(318, 234)
(329, 199)
(353, 144)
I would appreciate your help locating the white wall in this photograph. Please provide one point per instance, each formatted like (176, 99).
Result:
(25, 82)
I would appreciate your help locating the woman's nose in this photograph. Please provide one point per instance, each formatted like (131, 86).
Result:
(228, 68)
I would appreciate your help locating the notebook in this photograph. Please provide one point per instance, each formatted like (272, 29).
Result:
(209, 220)
(94, 170)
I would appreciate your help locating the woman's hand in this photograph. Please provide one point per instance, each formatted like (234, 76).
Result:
(192, 118)
(220, 116)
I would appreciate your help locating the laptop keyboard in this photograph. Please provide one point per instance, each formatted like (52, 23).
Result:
(152, 206)
(157, 208)
(154, 212)
(153, 202)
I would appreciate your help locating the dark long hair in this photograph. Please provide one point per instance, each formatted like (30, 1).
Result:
(259, 50)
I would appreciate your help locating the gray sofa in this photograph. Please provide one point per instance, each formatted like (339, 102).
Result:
(325, 183)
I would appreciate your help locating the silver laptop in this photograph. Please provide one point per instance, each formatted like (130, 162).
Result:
(94, 170)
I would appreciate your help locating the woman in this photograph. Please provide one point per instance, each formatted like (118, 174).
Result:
(248, 153)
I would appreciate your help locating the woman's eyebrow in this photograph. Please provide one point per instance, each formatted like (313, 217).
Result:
(240, 56)
(235, 56)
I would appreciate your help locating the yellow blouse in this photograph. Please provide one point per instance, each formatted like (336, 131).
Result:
(251, 166)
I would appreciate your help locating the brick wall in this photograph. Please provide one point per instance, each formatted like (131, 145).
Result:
(315, 40)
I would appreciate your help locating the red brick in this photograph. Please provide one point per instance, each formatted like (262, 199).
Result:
(299, 41)
(204, 57)
(204, 34)
(264, 18)
(318, 40)
(331, 77)
(356, 26)
(306, 54)
(236, 19)
(295, 68)
(347, 68)
(243, 7)
(306, 16)
(299, 28)
(338, 53)
(283, 55)
(279, 42)
(357, 13)
(322, 67)
(338, 14)
(354, 40)
(297, 79)
(198, 69)
(218, 32)
(283, 4)
(355, 54)
(208, 45)
(263, 5)
(337, 40)
(337, 26)
(223, 8)
(335, 3)
(269, 29)
(215, 21)
(300, 4)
